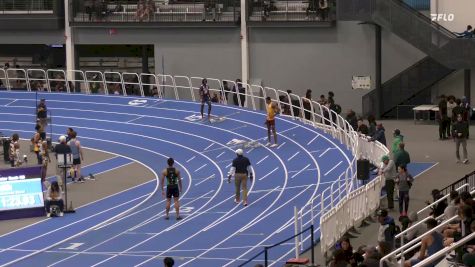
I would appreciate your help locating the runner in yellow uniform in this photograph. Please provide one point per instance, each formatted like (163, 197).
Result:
(272, 110)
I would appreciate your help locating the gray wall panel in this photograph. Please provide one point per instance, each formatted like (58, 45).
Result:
(32, 37)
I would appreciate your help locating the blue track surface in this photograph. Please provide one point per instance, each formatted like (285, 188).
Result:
(215, 231)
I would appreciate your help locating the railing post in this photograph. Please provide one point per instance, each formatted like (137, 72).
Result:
(265, 256)
(296, 232)
(312, 244)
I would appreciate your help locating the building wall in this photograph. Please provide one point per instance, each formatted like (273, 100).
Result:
(462, 11)
(321, 59)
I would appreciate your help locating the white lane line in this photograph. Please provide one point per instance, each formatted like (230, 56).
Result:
(224, 160)
(293, 156)
(312, 169)
(207, 178)
(191, 159)
(334, 167)
(250, 150)
(222, 153)
(289, 187)
(208, 147)
(229, 165)
(263, 177)
(201, 167)
(283, 143)
(262, 160)
(308, 165)
(313, 139)
(240, 127)
(11, 102)
(326, 150)
(140, 117)
(290, 129)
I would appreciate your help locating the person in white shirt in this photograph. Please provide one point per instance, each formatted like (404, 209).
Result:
(54, 196)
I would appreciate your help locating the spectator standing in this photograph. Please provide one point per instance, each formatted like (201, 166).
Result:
(371, 125)
(467, 112)
(241, 169)
(54, 196)
(401, 157)
(457, 110)
(387, 228)
(61, 149)
(323, 9)
(352, 120)
(42, 113)
(404, 182)
(295, 103)
(307, 104)
(322, 100)
(14, 151)
(443, 118)
(460, 135)
(226, 90)
(388, 170)
(450, 107)
(398, 138)
(430, 244)
(240, 91)
(312, 6)
(379, 135)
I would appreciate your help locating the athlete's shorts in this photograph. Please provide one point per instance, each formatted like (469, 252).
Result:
(77, 161)
(172, 190)
(270, 123)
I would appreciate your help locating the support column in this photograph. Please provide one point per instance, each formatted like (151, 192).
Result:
(244, 44)
(378, 106)
(69, 40)
(467, 84)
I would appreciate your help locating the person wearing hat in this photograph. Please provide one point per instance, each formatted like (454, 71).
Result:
(398, 138)
(241, 169)
(61, 149)
(388, 170)
(173, 187)
(430, 244)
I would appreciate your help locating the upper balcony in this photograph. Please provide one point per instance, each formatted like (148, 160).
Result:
(153, 13)
(31, 14)
(291, 13)
(201, 13)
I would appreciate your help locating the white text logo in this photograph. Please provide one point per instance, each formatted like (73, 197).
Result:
(442, 17)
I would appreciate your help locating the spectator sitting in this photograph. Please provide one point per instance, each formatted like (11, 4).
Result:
(452, 208)
(401, 157)
(469, 258)
(440, 206)
(371, 257)
(362, 128)
(431, 244)
(215, 98)
(415, 231)
(339, 259)
(454, 232)
(54, 197)
(379, 136)
(467, 199)
(466, 34)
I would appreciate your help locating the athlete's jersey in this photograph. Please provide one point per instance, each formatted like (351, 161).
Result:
(172, 177)
(270, 112)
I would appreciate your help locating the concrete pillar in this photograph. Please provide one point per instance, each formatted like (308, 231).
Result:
(69, 40)
(244, 43)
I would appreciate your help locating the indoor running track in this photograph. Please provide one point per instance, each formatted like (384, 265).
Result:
(215, 231)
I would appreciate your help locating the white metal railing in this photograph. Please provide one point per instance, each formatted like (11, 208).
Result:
(447, 250)
(399, 252)
(344, 203)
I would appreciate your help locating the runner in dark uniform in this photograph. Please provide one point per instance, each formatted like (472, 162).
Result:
(173, 187)
(205, 97)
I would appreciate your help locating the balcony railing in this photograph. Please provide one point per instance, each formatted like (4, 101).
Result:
(14, 7)
(291, 10)
(134, 11)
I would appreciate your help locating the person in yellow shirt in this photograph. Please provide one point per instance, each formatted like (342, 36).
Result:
(272, 110)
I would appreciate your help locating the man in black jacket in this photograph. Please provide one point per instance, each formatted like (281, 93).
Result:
(460, 129)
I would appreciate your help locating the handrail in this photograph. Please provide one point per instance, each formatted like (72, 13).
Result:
(415, 240)
(441, 253)
(440, 200)
(467, 176)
